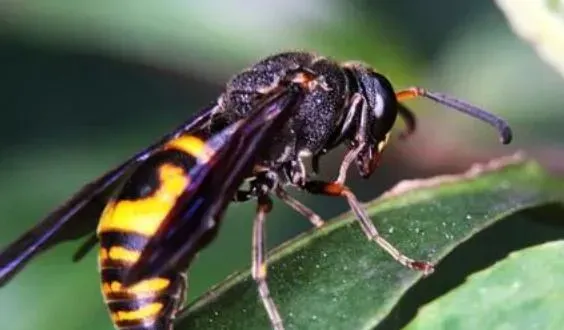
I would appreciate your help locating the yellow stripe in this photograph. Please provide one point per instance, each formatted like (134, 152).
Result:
(106, 289)
(143, 288)
(147, 311)
(193, 146)
(119, 253)
(150, 285)
(144, 216)
(103, 255)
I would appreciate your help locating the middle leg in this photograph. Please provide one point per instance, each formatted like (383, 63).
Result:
(259, 268)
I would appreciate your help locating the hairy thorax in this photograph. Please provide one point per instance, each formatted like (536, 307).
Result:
(312, 126)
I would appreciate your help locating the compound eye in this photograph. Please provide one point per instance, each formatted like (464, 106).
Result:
(378, 106)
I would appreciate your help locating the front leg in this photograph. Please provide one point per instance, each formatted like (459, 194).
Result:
(340, 190)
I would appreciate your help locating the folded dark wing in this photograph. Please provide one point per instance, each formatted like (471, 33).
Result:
(194, 220)
(79, 215)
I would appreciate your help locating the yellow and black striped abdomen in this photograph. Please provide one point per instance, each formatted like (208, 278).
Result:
(128, 222)
(150, 304)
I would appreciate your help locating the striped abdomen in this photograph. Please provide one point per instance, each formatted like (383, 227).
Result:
(128, 222)
(151, 304)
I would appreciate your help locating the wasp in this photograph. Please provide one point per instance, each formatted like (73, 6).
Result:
(152, 214)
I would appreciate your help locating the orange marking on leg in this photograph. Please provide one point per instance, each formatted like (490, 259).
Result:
(334, 189)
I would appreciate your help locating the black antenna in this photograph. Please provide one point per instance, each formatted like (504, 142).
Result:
(501, 125)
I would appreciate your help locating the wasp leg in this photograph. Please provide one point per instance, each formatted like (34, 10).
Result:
(346, 163)
(299, 207)
(183, 291)
(264, 183)
(183, 294)
(337, 189)
(259, 268)
(359, 103)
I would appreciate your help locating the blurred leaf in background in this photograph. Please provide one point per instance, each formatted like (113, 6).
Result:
(85, 84)
(541, 23)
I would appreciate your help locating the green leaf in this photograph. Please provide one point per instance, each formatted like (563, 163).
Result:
(333, 278)
(524, 291)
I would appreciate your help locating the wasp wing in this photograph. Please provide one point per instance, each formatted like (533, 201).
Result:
(194, 220)
(79, 215)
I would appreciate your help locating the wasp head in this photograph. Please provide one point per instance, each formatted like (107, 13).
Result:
(377, 115)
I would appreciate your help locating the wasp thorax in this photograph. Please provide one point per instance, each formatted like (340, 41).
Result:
(317, 118)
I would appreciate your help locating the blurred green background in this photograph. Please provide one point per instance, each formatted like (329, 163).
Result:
(85, 84)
